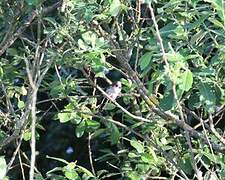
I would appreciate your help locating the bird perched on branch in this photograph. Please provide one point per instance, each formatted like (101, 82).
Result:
(114, 90)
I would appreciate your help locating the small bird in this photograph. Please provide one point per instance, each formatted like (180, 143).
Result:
(114, 90)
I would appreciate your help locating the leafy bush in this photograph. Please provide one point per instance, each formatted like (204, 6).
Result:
(57, 58)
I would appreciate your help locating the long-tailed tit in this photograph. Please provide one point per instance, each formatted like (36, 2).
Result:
(114, 90)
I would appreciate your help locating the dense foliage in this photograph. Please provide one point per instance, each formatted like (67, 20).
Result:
(58, 57)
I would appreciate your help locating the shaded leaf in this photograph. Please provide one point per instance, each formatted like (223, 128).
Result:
(207, 96)
(168, 101)
(115, 134)
(146, 60)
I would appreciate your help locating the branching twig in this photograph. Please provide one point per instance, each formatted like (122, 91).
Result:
(14, 154)
(123, 59)
(11, 39)
(114, 102)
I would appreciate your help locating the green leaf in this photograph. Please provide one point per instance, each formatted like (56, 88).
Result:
(92, 124)
(1, 72)
(168, 29)
(175, 57)
(82, 44)
(219, 5)
(80, 129)
(137, 145)
(187, 80)
(207, 96)
(168, 101)
(84, 170)
(185, 164)
(21, 104)
(115, 134)
(194, 101)
(32, 2)
(3, 167)
(153, 154)
(216, 22)
(133, 175)
(132, 155)
(64, 117)
(147, 158)
(98, 132)
(38, 177)
(146, 60)
(115, 8)
(27, 135)
(71, 174)
(11, 52)
(109, 106)
(197, 37)
(2, 135)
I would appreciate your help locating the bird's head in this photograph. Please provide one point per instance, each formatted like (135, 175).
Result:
(117, 84)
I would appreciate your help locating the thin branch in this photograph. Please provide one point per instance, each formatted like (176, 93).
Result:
(212, 128)
(21, 166)
(11, 39)
(14, 155)
(90, 154)
(123, 60)
(33, 138)
(9, 104)
(114, 102)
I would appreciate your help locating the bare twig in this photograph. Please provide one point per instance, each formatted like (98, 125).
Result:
(212, 128)
(14, 154)
(90, 154)
(21, 165)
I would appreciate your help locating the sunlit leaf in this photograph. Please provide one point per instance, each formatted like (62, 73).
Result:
(71, 174)
(137, 145)
(115, 8)
(3, 167)
(27, 135)
(21, 104)
(92, 124)
(175, 57)
(1, 72)
(64, 117)
(187, 80)
(80, 129)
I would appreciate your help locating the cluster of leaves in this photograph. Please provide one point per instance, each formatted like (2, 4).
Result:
(193, 37)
